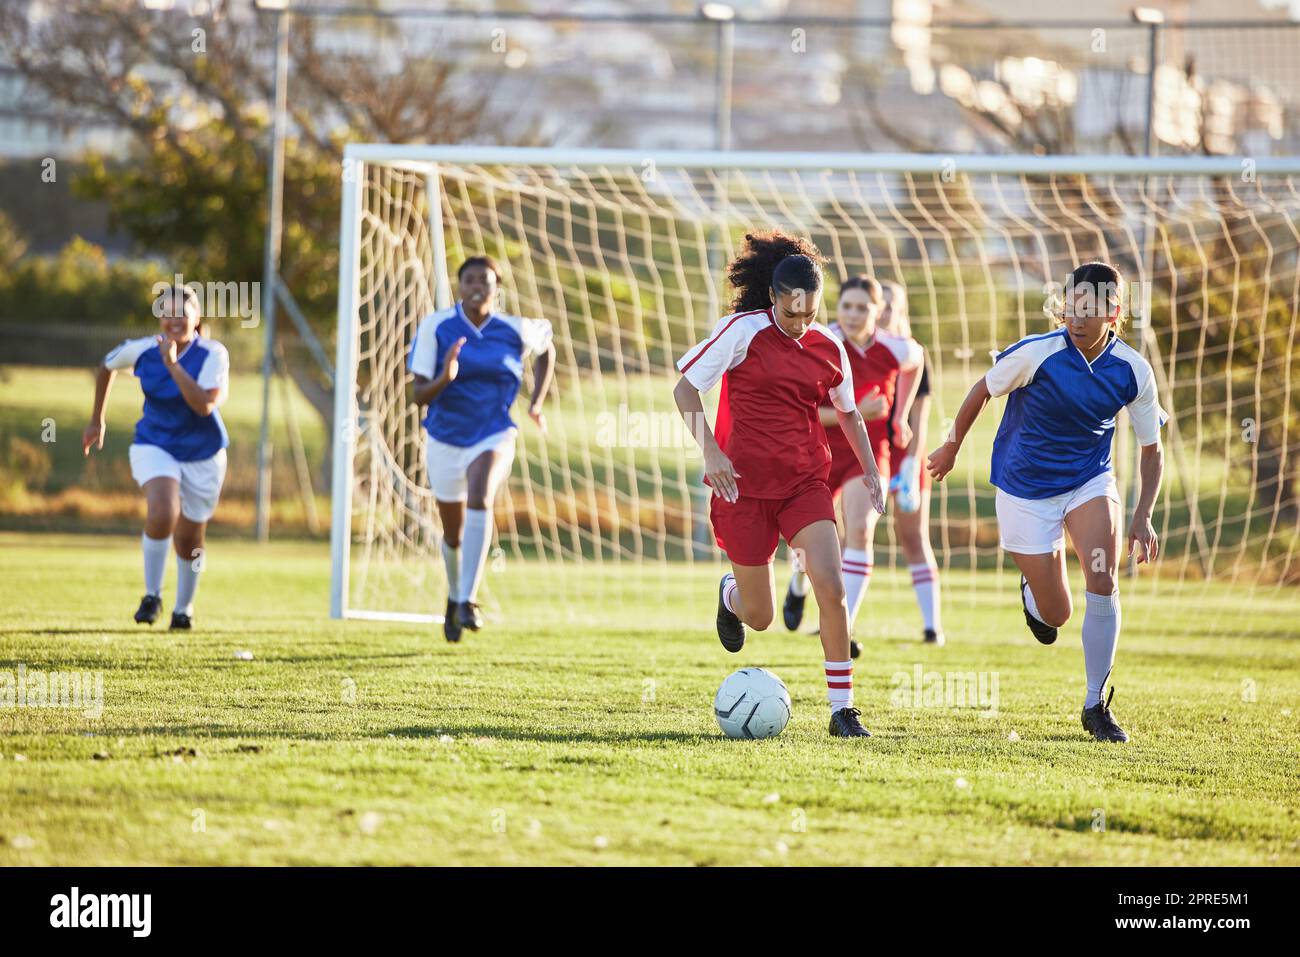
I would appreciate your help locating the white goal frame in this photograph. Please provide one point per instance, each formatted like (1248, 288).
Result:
(425, 159)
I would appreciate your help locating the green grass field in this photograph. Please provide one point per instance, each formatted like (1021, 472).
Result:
(577, 729)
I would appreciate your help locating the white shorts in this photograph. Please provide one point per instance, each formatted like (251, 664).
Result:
(1036, 526)
(448, 465)
(200, 481)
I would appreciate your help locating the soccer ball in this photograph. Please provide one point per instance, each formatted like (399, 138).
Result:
(752, 703)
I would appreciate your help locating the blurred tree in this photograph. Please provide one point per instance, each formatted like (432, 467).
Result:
(193, 90)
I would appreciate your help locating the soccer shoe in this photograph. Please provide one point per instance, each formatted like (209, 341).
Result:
(468, 616)
(450, 625)
(845, 724)
(731, 631)
(180, 622)
(792, 610)
(1043, 632)
(1101, 724)
(933, 637)
(149, 610)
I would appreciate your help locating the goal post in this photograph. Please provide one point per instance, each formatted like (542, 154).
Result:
(625, 253)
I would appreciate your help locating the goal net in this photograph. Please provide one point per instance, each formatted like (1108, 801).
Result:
(626, 253)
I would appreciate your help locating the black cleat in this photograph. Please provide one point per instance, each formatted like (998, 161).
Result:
(1101, 724)
(180, 622)
(1043, 632)
(450, 624)
(468, 616)
(731, 631)
(933, 637)
(792, 610)
(845, 724)
(855, 649)
(149, 610)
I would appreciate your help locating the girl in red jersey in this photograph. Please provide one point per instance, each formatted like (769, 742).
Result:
(884, 373)
(769, 472)
(909, 483)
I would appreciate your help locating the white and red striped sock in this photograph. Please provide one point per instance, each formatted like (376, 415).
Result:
(839, 684)
(729, 592)
(858, 563)
(925, 581)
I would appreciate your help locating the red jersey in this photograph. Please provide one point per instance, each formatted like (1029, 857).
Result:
(772, 386)
(874, 368)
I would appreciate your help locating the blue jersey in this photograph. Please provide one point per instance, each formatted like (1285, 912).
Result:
(168, 421)
(477, 402)
(1058, 427)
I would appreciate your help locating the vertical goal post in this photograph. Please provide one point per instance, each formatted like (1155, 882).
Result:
(599, 238)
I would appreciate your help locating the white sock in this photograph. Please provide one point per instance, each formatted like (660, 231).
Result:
(474, 545)
(451, 561)
(1030, 603)
(799, 584)
(729, 591)
(925, 582)
(857, 575)
(839, 684)
(187, 583)
(155, 562)
(1100, 636)
(798, 577)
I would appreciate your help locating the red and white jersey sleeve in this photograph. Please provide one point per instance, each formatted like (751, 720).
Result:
(908, 352)
(841, 396)
(704, 365)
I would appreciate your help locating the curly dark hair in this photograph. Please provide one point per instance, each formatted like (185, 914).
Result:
(750, 273)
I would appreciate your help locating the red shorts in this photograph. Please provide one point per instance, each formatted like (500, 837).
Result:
(896, 456)
(748, 529)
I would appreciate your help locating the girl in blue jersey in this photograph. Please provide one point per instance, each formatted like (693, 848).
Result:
(1052, 468)
(468, 364)
(178, 455)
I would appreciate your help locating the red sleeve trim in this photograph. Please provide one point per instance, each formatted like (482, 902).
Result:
(738, 316)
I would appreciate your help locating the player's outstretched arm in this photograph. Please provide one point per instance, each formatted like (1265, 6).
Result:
(93, 437)
(1142, 539)
(856, 432)
(718, 469)
(942, 459)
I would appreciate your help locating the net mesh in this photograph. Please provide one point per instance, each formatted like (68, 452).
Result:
(628, 262)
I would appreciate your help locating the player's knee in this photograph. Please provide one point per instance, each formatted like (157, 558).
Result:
(761, 619)
(451, 538)
(1101, 583)
(1057, 615)
(160, 519)
(830, 594)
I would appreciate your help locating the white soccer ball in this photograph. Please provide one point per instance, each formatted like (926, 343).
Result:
(752, 703)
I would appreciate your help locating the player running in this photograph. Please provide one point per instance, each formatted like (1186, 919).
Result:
(768, 461)
(909, 483)
(1052, 468)
(178, 455)
(884, 372)
(468, 363)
